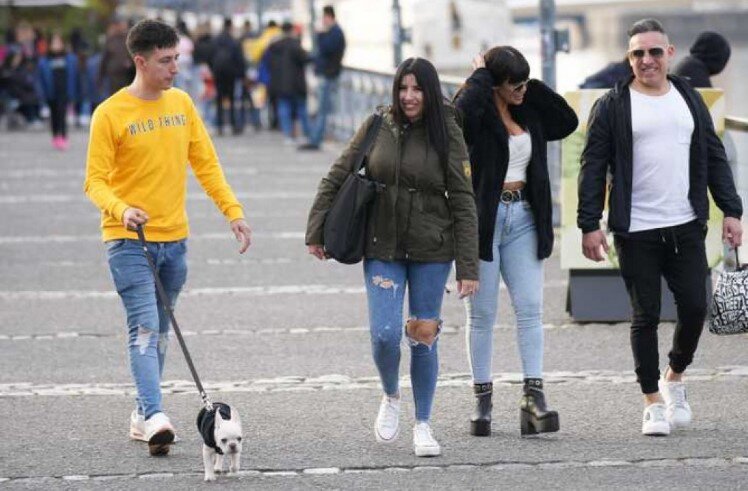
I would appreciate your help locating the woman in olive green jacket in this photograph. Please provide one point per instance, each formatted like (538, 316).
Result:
(421, 221)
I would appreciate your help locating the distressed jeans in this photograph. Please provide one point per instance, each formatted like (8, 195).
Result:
(386, 282)
(515, 258)
(147, 319)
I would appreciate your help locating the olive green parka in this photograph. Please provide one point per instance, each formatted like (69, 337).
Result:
(425, 212)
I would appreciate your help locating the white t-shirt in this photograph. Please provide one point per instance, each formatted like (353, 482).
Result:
(662, 127)
(520, 151)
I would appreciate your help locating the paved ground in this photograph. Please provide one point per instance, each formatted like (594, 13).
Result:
(282, 337)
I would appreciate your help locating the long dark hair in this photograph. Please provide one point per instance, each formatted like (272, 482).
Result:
(433, 102)
(506, 64)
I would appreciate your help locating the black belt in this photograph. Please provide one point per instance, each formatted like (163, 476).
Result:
(508, 196)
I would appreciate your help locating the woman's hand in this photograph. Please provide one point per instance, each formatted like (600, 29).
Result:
(467, 287)
(317, 251)
(479, 61)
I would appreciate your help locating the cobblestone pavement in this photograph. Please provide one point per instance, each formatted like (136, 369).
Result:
(283, 338)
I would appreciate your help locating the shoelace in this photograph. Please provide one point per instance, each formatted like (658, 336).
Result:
(389, 413)
(424, 435)
(679, 395)
(657, 413)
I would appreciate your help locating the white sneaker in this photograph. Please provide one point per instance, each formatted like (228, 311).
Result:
(137, 426)
(424, 443)
(159, 433)
(654, 422)
(678, 411)
(387, 426)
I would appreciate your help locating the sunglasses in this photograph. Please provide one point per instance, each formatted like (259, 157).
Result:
(518, 87)
(657, 52)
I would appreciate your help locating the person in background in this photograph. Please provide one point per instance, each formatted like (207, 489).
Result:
(186, 79)
(116, 66)
(58, 75)
(261, 58)
(608, 76)
(328, 64)
(708, 57)
(288, 81)
(201, 57)
(227, 65)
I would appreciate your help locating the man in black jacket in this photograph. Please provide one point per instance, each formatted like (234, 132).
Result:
(228, 66)
(655, 136)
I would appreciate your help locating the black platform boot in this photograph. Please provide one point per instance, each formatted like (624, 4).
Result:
(534, 416)
(480, 422)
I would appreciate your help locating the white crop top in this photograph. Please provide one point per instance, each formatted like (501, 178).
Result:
(520, 150)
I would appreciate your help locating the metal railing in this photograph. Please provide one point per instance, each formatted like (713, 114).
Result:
(361, 91)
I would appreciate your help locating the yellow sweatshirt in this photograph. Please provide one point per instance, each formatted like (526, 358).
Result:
(138, 153)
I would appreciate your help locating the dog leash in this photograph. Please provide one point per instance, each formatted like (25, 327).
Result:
(165, 302)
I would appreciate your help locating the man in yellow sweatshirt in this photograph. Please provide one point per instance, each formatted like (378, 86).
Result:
(142, 139)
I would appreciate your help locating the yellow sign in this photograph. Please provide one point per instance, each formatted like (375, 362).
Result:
(571, 151)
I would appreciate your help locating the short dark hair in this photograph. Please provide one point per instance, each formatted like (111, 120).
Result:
(328, 10)
(506, 64)
(227, 23)
(147, 35)
(287, 27)
(646, 25)
(433, 102)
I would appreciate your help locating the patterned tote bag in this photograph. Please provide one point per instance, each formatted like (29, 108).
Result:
(729, 309)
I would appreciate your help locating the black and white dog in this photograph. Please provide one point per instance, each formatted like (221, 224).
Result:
(221, 430)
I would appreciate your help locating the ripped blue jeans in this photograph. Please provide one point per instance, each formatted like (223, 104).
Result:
(385, 291)
(147, 320)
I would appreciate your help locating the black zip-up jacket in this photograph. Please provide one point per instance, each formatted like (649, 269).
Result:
(546, 116)
(609, 149)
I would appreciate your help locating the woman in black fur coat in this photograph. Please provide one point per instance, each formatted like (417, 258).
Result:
(507, 120)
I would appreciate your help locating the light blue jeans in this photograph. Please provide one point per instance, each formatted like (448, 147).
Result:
(147, 319)
(515, 258)
(326, 92)
(385, 289)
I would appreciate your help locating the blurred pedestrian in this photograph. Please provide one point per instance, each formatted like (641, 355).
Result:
(186, 78)
(508, 119)
(651, 147)
(608, 76)
(116, 68)
(58, 74)
(288, 81)
(708, 57)
(327, 67)
(423, 219)
(227, 65)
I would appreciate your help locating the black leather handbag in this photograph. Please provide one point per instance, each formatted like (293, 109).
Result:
(729, 309)
(345, 222)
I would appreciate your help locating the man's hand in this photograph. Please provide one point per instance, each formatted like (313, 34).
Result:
(732, 232)
(243, 234)
(591, 244)
(467, 287)
(317, 251)
(132, 217)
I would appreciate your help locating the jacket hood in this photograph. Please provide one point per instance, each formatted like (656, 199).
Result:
(713, 50)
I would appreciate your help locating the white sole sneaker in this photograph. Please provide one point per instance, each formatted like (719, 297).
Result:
(389, 414)
(654, 422)
(424, 443)
(422, 451)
